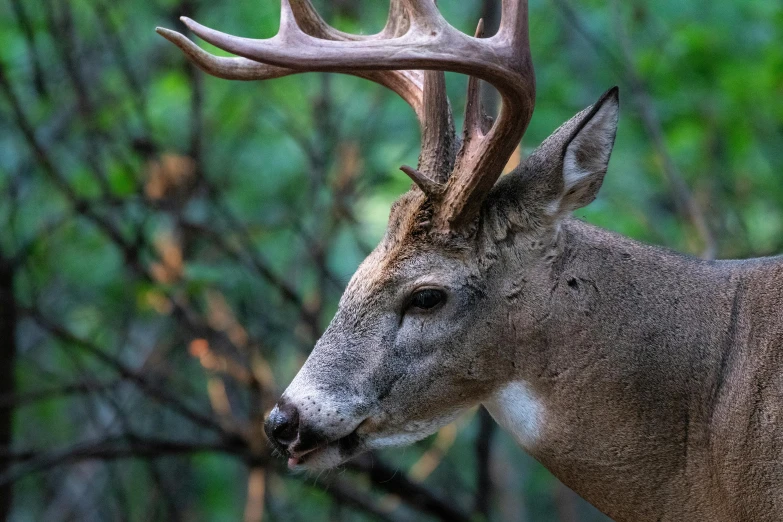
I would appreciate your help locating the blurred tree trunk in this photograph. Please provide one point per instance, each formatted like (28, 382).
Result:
(484, 489)
(7, 355)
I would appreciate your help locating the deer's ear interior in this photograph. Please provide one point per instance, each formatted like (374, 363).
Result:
(586, 154)
(563, 174)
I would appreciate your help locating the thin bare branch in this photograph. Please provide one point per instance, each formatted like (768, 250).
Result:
(107, 449)
(17, 400)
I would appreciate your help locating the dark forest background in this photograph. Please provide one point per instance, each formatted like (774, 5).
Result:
(172, 245)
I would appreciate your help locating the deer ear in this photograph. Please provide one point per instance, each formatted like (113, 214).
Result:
(586, 153)
(563, 174)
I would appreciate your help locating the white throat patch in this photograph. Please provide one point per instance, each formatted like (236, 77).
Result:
(518, 411)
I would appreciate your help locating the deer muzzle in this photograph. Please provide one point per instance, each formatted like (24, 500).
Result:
(313, 434)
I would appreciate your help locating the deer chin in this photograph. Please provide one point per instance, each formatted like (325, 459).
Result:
(373, 438)
(328, 456)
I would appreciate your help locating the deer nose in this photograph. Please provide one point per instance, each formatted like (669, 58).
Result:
(282, 425)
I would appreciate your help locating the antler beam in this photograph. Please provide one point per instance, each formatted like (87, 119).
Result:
(416, 38)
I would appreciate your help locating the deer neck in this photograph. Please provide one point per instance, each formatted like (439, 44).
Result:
(616, 386)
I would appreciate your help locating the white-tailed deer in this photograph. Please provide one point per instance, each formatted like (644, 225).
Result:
(649, 382)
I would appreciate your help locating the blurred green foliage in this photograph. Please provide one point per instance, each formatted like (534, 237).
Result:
(146, 207)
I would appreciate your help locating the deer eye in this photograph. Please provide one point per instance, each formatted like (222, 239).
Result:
(427, 299)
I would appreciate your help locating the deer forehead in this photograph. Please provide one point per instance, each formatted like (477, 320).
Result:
(407, 252)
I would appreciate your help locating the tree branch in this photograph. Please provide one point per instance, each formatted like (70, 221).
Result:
(8, 325)
(107, 449)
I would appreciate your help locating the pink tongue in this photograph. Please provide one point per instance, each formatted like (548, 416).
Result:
(293, 462)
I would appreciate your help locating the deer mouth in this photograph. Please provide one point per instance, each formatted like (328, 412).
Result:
(342, 449)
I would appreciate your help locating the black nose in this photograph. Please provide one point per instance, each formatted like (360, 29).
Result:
(282, 425)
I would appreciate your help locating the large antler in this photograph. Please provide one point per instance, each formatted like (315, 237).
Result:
(409, 57)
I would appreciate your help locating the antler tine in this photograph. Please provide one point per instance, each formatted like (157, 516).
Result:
(429, 187)
(477, 123)
(288, 21)
(407, 84)
(229, 68)
(425, 13)
(310, 22)
(485, 151)
(438, 139)
(398, 22)
(514, 24)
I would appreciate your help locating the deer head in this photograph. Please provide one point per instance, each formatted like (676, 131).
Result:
(445, 311)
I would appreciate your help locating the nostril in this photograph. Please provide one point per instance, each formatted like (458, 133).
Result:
(282, 426)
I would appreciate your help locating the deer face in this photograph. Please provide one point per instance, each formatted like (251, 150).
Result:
(403, 355)
(432, 323)
(434, 319)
